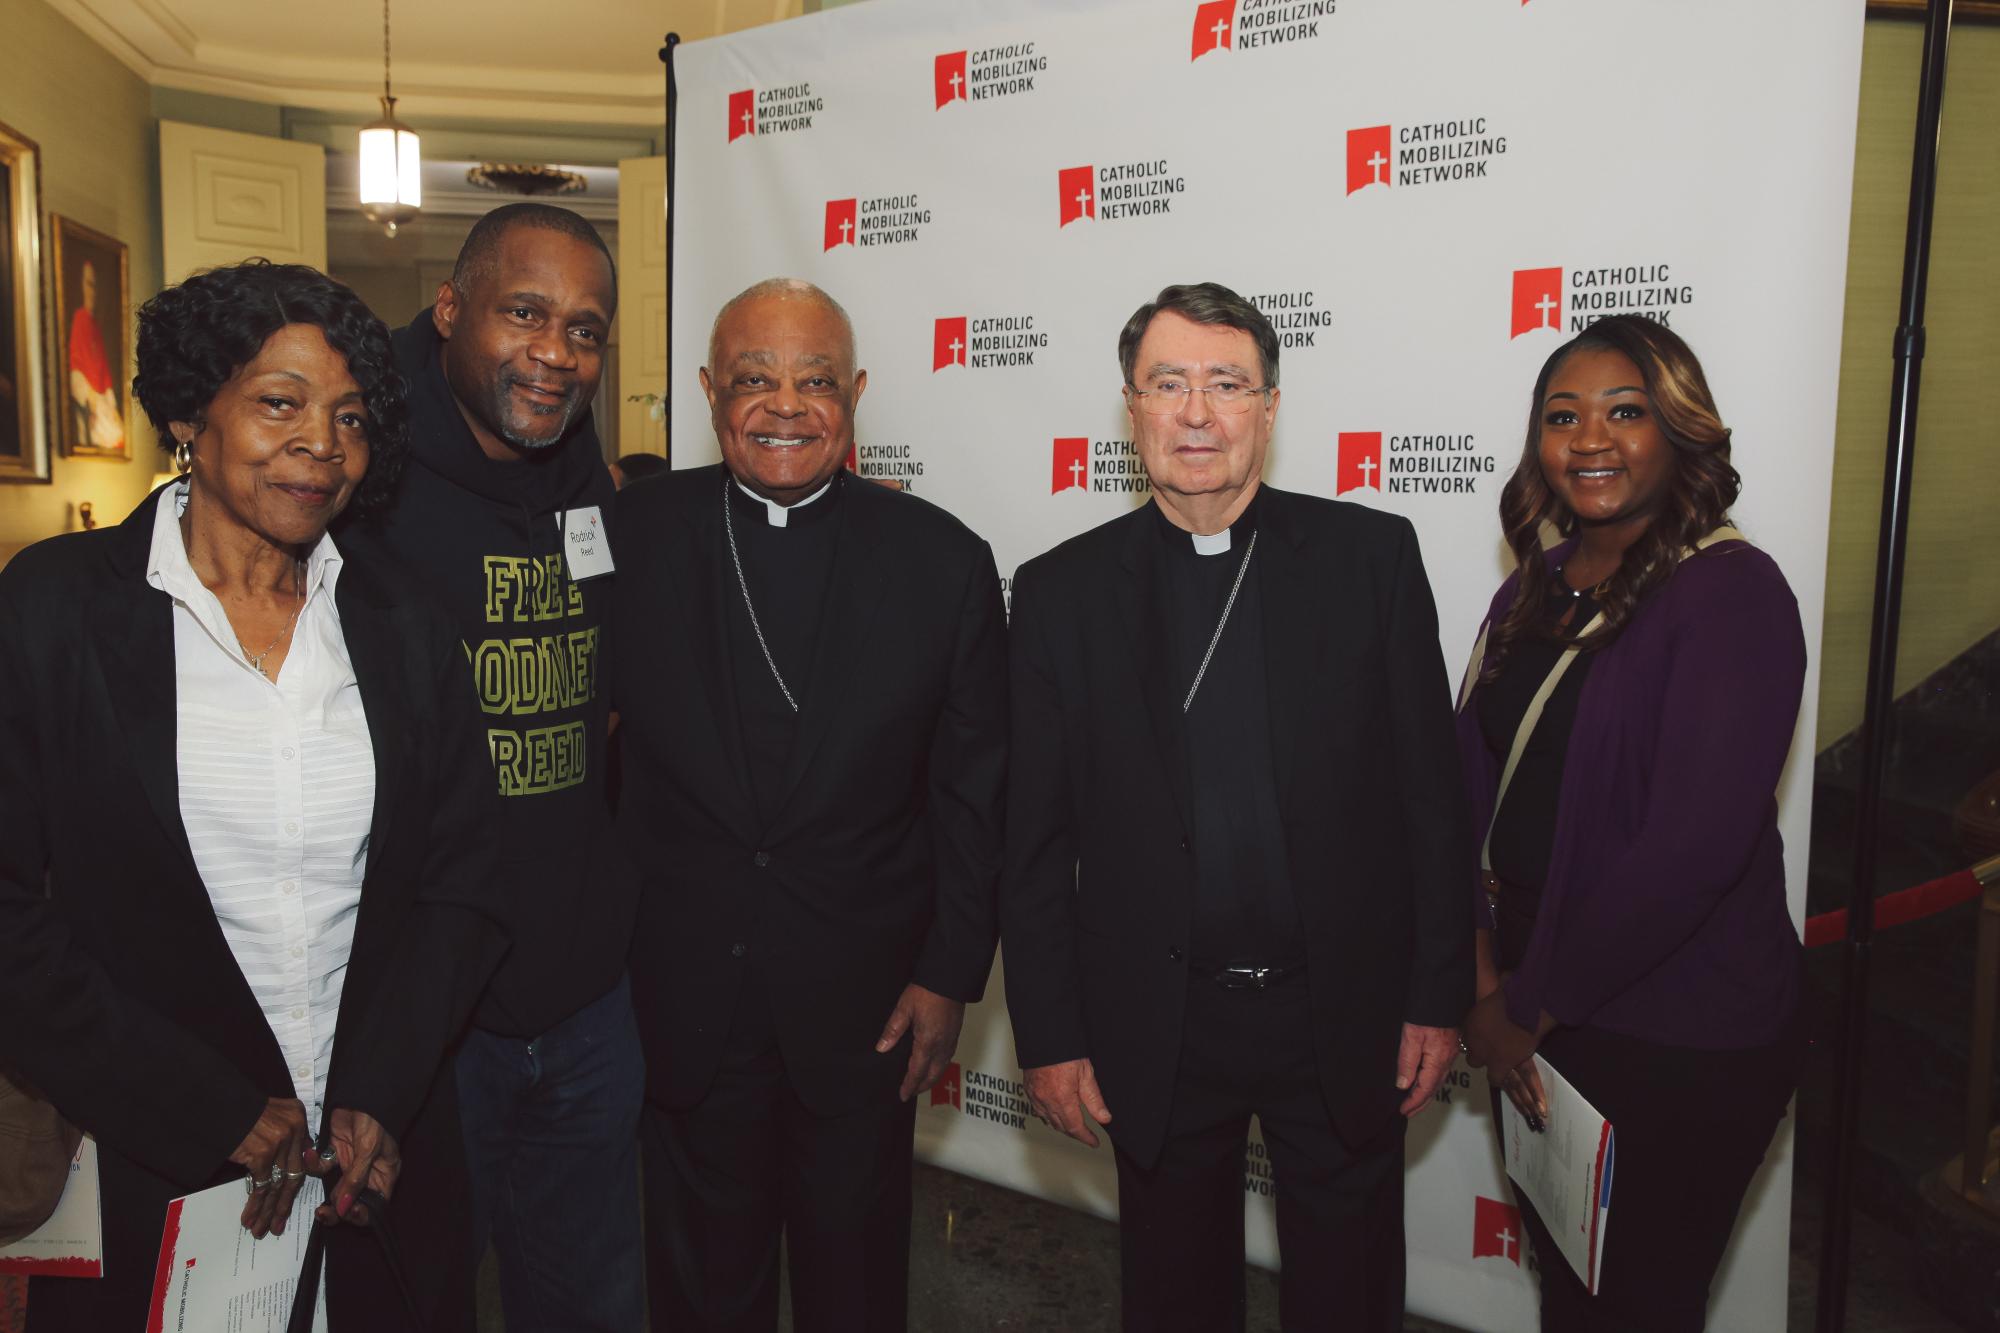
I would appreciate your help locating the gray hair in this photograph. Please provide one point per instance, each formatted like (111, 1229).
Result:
(1202, 303)
(783, 289)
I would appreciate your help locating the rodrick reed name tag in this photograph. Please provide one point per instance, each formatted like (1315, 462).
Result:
(586, 546)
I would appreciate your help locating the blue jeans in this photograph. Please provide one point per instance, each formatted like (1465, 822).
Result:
(552, 1140)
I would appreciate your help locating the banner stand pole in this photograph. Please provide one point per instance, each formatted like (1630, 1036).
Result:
(673, 41)
(1831, 1316)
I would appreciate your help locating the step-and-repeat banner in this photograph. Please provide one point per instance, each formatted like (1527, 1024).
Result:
(1427, 196)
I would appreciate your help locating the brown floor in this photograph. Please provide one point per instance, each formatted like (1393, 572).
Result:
(990, 1260)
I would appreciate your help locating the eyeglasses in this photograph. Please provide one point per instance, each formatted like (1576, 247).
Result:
(1168, 397)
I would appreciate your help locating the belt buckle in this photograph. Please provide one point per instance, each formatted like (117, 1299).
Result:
(1245, 978)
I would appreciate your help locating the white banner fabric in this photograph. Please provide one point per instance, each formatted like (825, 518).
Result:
(1427, 196)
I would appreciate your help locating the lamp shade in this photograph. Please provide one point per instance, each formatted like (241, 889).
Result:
(392, 187)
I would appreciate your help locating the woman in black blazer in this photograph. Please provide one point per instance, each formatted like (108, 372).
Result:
(245, 809)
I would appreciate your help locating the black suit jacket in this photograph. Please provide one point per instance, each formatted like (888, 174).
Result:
(1098, 891)
(123, 1003)
(880, 867)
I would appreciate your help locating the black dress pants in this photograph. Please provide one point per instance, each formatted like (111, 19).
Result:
(1692, 1129)
(1339, 1209)
(724, 1178)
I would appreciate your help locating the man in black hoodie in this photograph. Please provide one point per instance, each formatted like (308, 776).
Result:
(501, 515)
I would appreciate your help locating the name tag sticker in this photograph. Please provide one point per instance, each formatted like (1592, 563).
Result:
(586, 546)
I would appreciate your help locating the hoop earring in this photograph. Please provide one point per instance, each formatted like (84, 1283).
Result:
(184, 457)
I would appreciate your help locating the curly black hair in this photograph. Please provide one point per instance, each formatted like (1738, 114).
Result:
(195, 336)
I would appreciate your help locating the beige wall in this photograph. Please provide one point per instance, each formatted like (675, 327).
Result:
(94, 121)
(399, 276)
(1952, 591)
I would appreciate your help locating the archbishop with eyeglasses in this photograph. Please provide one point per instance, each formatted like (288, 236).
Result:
(1236, 845)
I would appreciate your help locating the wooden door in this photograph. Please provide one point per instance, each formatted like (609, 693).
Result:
(226, 197)
(642, 303)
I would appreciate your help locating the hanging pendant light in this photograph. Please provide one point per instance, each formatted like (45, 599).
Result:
(392, 187)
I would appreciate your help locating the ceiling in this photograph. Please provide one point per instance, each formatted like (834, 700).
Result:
(447, 192)
(594, 61)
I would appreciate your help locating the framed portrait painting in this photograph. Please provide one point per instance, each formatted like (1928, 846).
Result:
(93, 310)
(24, 419)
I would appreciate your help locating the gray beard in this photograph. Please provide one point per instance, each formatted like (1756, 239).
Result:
(534, 445)
(566, 412)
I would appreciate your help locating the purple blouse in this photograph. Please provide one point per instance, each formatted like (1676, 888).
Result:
(1664, 913)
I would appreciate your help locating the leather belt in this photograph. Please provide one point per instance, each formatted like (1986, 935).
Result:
(1246, 976)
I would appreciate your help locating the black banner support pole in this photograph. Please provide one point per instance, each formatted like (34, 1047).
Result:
(1889, 552)
(673, 96)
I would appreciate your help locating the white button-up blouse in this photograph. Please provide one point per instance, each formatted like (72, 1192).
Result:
(277, 789)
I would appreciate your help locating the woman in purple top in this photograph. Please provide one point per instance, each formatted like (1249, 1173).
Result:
(1632, 925)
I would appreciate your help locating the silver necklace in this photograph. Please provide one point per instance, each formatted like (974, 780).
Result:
(1562, 580)
(729, 527)
(256, 660)
(1217, 636)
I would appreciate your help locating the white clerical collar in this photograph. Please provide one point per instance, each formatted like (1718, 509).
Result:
(778, 515)
(1215, 543)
